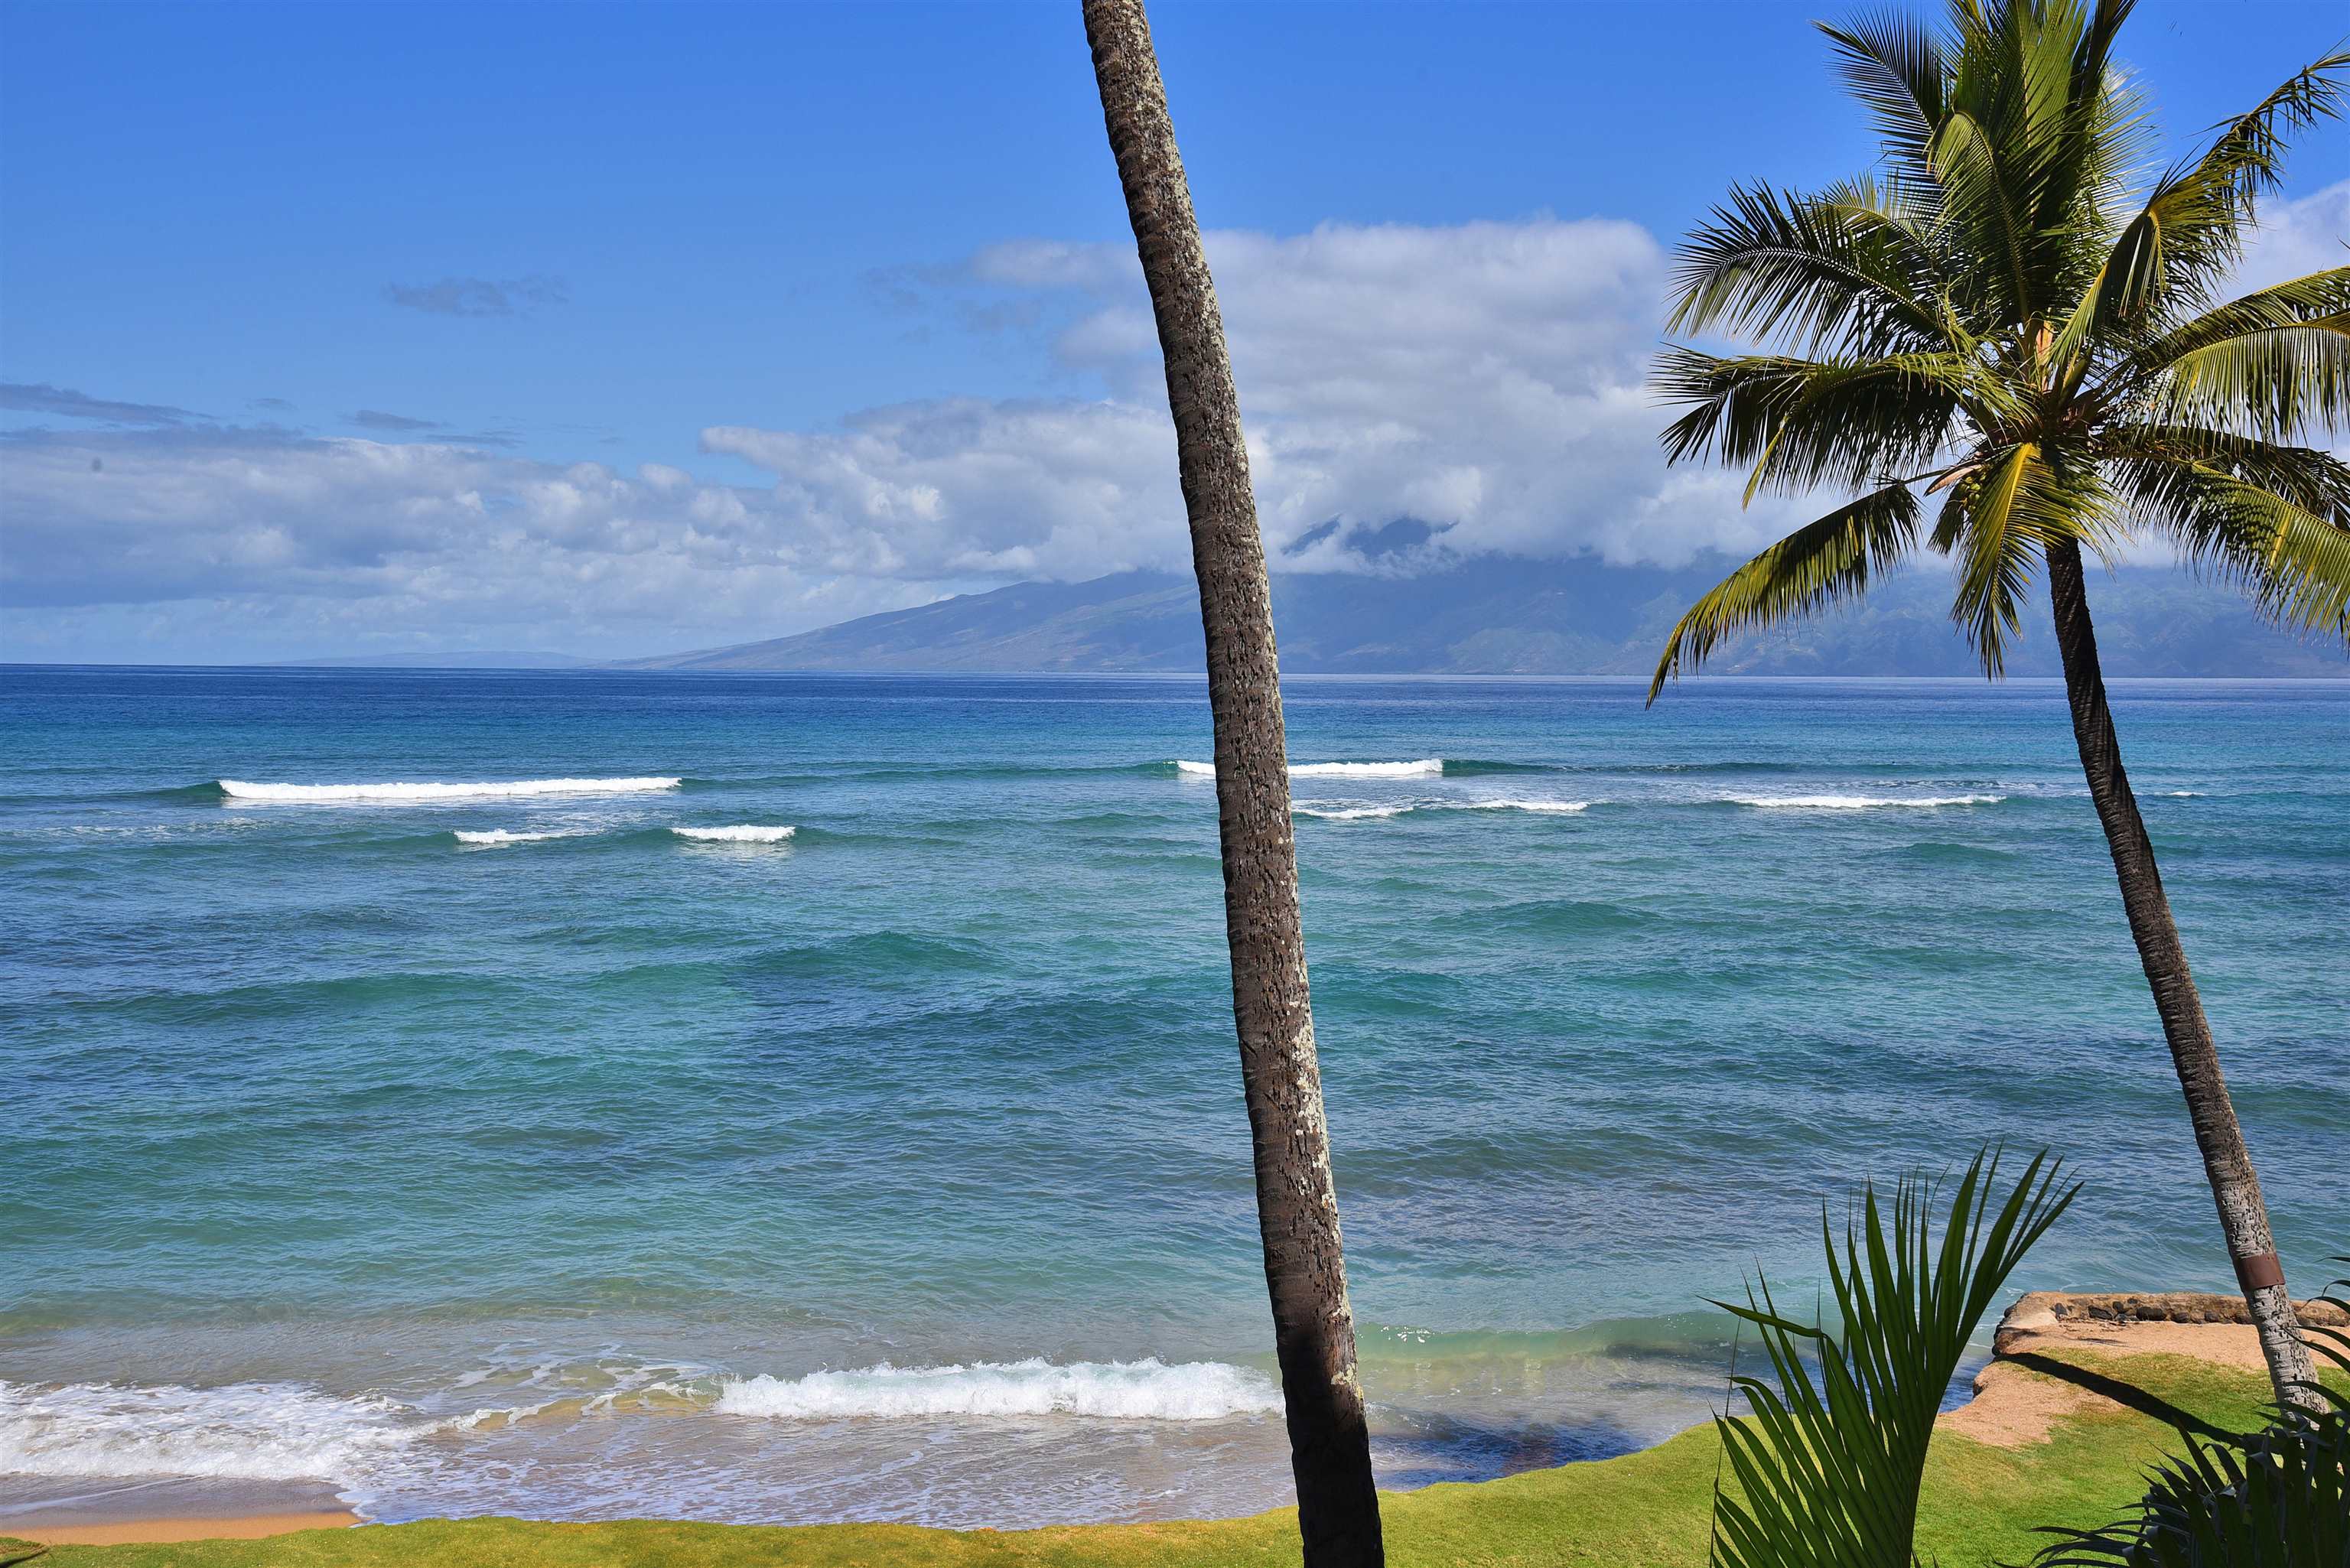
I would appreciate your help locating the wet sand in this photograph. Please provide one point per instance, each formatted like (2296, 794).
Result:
(145, 1532)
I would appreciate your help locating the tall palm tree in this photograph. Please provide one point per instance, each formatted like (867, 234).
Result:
(2009, 318)
(1297, 1204)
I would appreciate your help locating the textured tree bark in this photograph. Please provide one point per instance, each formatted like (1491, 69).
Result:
(2243, 1217)
(1297, 1205)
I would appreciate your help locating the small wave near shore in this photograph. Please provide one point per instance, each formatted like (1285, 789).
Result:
(1859, 801)
(1340, 812)
(1146, 1390)
(404, 792)
(741, 833)
(1425, 767)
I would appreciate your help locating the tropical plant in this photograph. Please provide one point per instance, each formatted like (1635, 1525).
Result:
(2277, 1498)
(1297, 1204)
(1829, 1465)
(2006, 317)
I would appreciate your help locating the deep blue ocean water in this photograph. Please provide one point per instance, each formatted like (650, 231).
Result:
(512, 1150)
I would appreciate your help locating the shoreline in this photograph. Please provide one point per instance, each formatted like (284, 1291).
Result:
(2021, 1398)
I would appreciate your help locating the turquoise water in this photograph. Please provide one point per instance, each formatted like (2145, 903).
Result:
(896, 1167)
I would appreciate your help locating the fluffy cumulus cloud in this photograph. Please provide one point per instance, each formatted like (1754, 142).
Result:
(2300, 237)
(1485, 380)
(263, 538)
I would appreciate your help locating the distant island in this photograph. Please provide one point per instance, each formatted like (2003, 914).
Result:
(1490, 615)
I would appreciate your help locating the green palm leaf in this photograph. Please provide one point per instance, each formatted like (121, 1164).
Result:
(2293, 562)
(1808, 272)
(1828, 1466)
(1814, 566)
(2272, 363)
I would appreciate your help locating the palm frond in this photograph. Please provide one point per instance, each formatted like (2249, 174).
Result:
(1802, 423)
(2333, 1344)
(1829, 1464)
(1985, 524)
(2191, 234)
(2275, 362)
(2292, 561)
(2312, 479)
(1894, 65)
(1999, 522)
(1977, 197)
(1810, 568)
(1785, 269)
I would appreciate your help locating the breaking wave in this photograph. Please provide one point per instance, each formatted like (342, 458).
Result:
(1426, 768)
(1335, 811)
(1858, 802)
(741, 833)
(403, 793)
(1544, 807)
(493, 836)
(247, 1431)
(1147, 1390)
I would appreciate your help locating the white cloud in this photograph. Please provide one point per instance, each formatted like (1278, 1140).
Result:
(1487, 379)
(2298, 237)
(265, 542)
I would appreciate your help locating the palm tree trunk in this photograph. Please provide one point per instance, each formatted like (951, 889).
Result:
(2243, 1217)
(1297, 1205)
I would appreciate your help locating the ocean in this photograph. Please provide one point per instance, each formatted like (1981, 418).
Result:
(768, 1098)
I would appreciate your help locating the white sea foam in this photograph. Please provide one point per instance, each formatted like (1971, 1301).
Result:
(251, 1431)
(1146, 1390)
(1546, 806)
(1426, 768)
(410, 794)
(497, 835)
(1335, 811)
(743, 833)
(1859, 801)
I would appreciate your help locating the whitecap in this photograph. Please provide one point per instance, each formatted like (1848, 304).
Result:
(405, 793)
(1426, 768)
(1146, 1390)
(1546, 806)
(1349, 813)
(1858, 802)
(494, 836)
(742, 833)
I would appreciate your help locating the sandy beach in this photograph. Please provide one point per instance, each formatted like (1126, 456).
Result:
(151, 1532)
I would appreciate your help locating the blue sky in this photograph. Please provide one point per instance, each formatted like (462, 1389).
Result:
(879, 244)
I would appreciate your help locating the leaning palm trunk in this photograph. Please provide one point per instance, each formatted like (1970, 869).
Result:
(2243, 1217)
(1297, 1205)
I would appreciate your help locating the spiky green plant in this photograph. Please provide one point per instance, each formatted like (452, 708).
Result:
(2010, 316)
(1829, 1465)
(2277, 1498)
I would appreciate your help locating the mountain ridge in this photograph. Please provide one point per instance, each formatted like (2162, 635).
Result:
(1510, 616)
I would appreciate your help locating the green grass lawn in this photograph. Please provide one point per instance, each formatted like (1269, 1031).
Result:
(1643, 1510)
